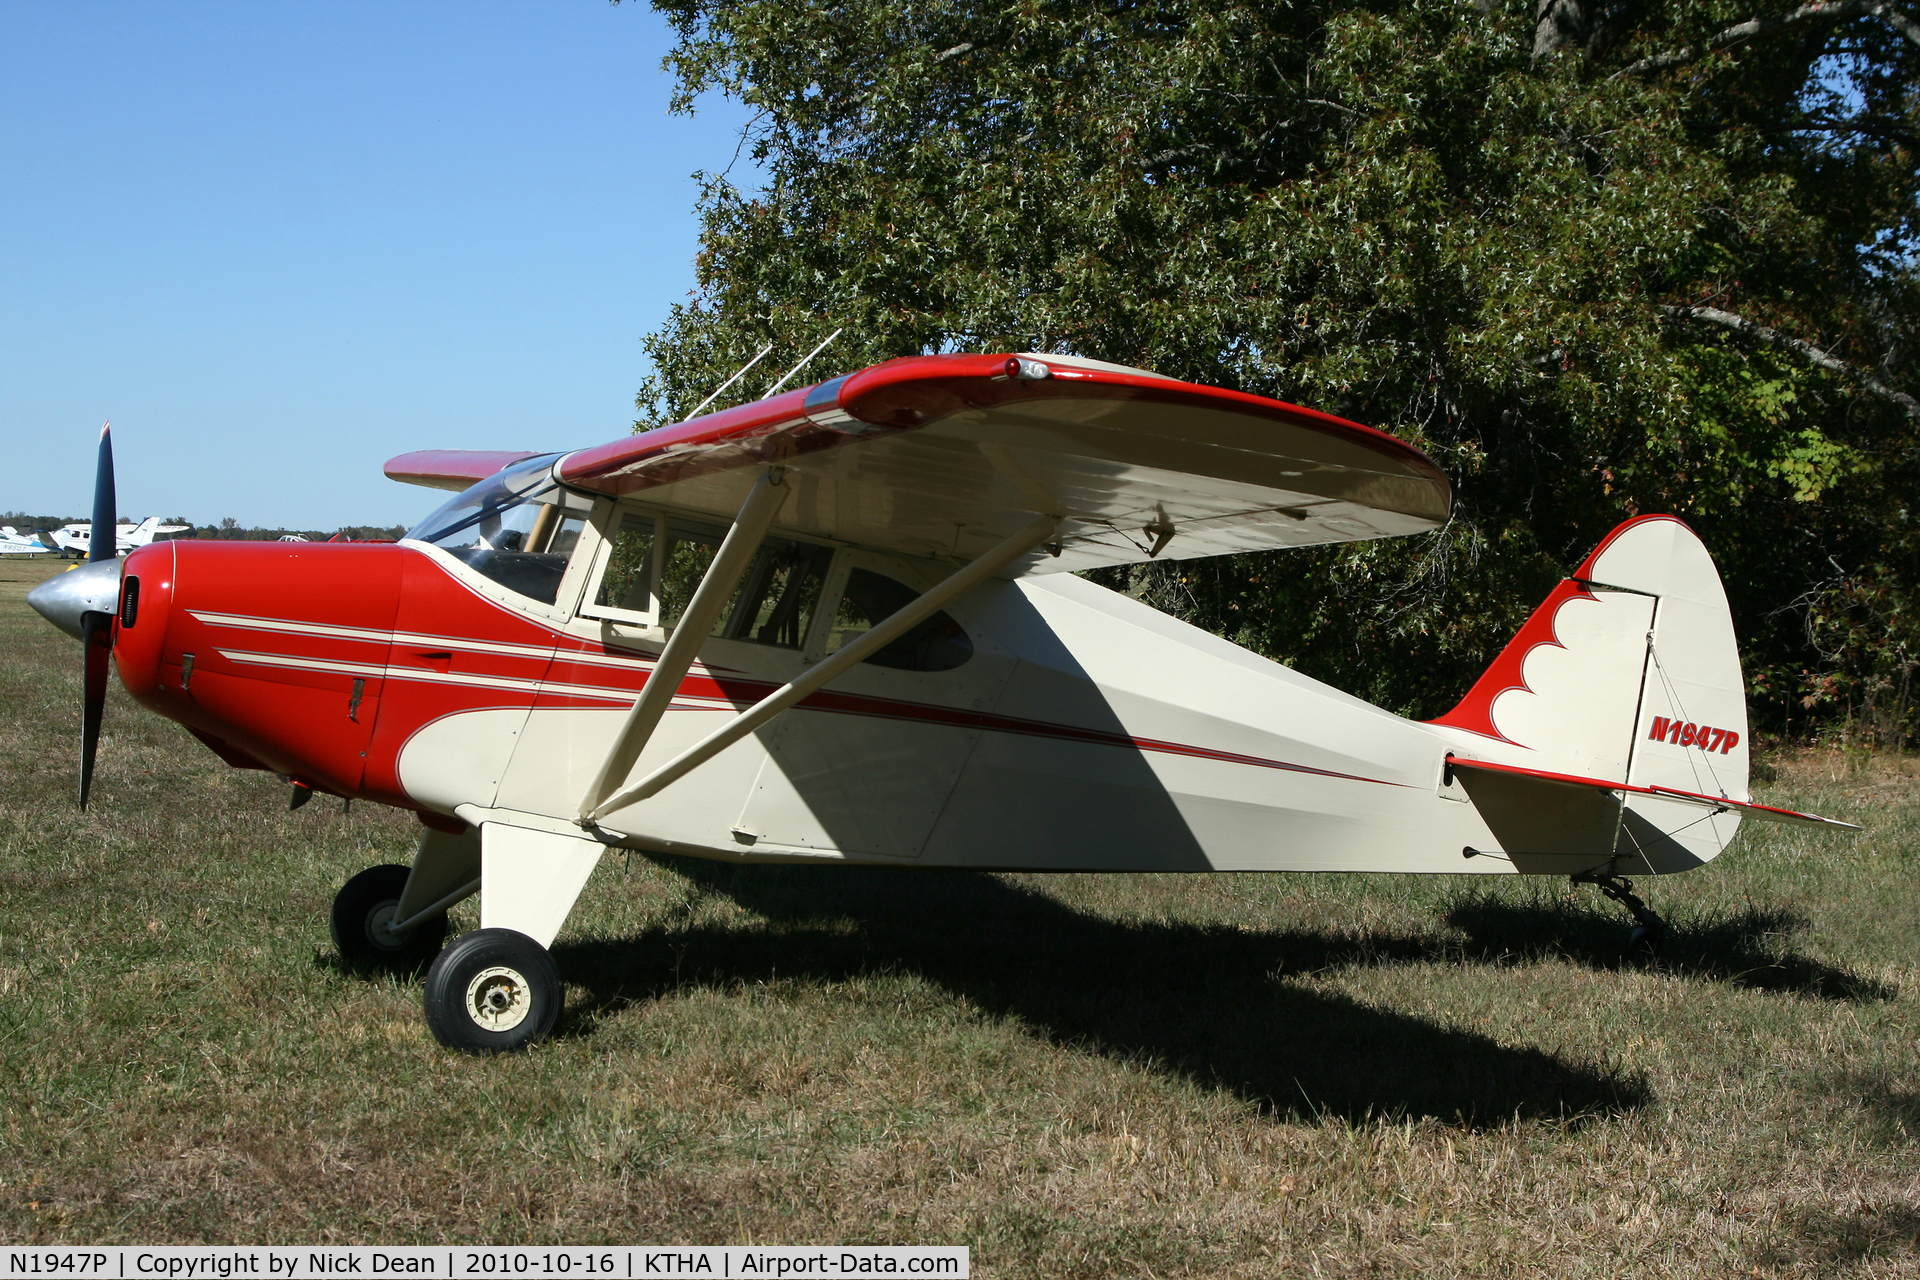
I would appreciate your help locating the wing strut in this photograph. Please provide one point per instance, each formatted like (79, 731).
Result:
(709, 598)
(906, 618)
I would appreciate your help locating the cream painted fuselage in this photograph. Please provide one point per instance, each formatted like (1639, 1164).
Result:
(1086, 732)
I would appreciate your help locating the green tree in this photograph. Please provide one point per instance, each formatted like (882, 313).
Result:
(1596, 258)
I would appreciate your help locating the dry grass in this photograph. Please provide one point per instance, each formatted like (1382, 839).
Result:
(1077, 1075)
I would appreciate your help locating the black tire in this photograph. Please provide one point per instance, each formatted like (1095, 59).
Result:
(362, 909)
(493, 991)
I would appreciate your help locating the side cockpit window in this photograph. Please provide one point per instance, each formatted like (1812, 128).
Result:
(625, 585)
(517, 529)
(653, 563)
(650, 563)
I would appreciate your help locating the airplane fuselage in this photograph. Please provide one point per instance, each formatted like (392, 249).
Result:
(1085, 731)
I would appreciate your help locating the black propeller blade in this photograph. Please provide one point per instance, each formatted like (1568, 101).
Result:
(105, 540)
(96, 627)
(96, 636)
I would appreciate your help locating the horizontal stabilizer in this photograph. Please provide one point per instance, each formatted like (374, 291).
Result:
(1746, 808)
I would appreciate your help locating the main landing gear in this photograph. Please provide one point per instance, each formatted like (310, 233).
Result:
(496, 989)
(362, 925)
(1649, 930)
(491, 991)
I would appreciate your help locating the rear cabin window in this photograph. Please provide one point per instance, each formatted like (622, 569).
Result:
(781, 592)
(937, 644)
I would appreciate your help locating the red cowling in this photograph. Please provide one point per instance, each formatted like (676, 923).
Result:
(259, 645)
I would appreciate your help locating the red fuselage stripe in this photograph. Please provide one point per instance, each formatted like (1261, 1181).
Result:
(704, 691)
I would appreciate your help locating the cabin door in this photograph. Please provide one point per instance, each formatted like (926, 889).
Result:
(865, 766)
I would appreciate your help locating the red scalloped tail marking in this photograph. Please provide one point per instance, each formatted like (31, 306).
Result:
(1475, 711)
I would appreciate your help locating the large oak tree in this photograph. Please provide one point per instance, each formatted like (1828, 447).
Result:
(1597, 258)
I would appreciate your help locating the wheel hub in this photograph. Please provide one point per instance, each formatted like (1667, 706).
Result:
(380, 927)
(499, 998)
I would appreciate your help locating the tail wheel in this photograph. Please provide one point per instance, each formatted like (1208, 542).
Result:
(492, 991)
(362, 924)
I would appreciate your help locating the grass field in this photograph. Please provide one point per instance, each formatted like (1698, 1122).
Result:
(1076, 1075)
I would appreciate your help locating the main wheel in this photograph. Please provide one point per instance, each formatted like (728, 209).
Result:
(362, 920)
(492, 991)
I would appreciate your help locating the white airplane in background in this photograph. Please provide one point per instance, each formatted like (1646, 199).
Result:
(15, 543)
(127, 537)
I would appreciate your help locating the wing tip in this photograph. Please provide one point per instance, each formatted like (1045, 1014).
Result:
(451, 468)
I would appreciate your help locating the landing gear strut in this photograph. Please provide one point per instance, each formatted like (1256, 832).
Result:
(1649, 930)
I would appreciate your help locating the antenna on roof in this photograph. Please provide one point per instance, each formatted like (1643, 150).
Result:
(803, 364)
(729, 382)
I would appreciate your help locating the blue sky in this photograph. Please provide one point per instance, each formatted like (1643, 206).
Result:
(277, 244)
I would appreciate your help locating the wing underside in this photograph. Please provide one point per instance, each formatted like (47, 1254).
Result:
(944, 456)
(452, 469)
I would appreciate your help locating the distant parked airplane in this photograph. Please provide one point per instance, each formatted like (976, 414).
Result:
(78, 538)
(15, 543)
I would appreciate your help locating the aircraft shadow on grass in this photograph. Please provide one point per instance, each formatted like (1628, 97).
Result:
(1740, 948)
(1891, 1104)
(1829, 1237)
(1208, 1003)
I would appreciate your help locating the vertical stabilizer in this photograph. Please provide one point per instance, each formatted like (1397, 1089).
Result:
(1627, 672)
(1566, 690)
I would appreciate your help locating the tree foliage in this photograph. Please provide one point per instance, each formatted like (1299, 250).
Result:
(1598, 258)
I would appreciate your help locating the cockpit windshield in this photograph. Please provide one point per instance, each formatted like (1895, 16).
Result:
(517, 528)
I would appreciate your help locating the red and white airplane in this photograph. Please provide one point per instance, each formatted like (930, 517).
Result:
(840, 624)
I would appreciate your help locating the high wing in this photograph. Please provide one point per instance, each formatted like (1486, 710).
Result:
(945, 456)
(1563, 781)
